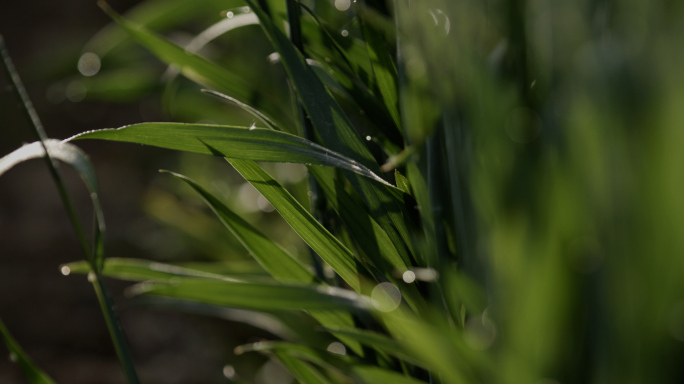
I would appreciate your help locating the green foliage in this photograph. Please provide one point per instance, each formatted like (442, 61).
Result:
(495, 186)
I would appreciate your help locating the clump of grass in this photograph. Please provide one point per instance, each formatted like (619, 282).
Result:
(496, 186)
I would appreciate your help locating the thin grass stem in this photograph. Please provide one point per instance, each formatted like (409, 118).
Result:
(90, 252)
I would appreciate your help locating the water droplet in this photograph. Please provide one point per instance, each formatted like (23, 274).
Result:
(89, 64)
(245, 9)
(409, 277)
(230, 15)
(386, 297)
(368, 138)
(65, 270)
(345, 33)
(342, 5)
(229, 371)
(337, 348)
(13, 357)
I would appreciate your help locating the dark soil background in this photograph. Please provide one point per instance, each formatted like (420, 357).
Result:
(56, 318)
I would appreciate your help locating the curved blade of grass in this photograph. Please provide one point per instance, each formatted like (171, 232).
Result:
(76, 158)
(231, 142)
(142, 270)
(220, 28)
(311, 231)
(275, 260)
(255, 296)
(190, 65)
(253, 111)
(32, 372)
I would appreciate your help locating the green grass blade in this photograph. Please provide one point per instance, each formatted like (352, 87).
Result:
(114, 327)
(335, 129)
(142, 270)
(190, 65)
(275, 260)
(251, 110)
(371, 237)
(301, 370)
(326, 116)
(311, 231)
(76, 158)
(153, 14)
(255, 296)
(33, 374)
(377, 341)
(232, 142)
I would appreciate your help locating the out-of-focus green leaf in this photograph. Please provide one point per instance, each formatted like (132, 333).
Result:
(256, 296)
(76, 158)
(277, 261)
(190, 65)
(377, 341)
(17, 355)
(231, 142)
(311, 231)
(438, 347)
(154, 14)
(121, 85)
(373, 374)
(301, 370)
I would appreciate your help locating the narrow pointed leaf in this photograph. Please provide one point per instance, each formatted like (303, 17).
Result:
(142, 270)
(275, 260)
(32, 372)
(311, 231)
(256, 296)
(301, 370)
(251, 110)
(231, 142)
